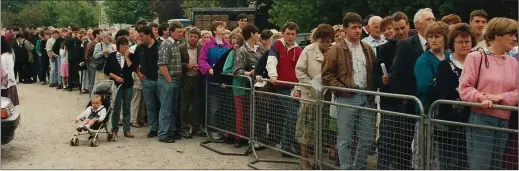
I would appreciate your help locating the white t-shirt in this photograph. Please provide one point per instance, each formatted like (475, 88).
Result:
(63, 56)
(88, 111)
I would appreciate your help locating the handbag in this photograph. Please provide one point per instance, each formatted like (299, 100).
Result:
(101, 65)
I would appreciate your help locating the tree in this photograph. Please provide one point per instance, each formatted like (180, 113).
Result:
(127, 11)
(69, 10)
(187, 4)
(234, 3)
(53, 13)
(304, 12)
(167, 9)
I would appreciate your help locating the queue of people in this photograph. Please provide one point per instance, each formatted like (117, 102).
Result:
(163, 72)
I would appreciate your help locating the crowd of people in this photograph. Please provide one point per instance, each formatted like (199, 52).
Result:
(162, 72)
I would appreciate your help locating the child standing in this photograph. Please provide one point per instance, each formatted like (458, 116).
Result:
(63, 52)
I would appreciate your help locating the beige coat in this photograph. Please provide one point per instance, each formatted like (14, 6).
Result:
(309, 66)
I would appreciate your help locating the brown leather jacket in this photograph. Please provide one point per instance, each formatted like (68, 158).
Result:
(338, 67)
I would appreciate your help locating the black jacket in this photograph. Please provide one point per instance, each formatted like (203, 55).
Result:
(218, 69)
(402, 79)
(57, 45)
(385, 54)
(447, 80)
(74, 49)
(44, 55)
(260, 68)
(113, 66)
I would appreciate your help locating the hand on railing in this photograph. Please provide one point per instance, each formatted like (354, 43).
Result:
(273, 80)
(223, 85)
(297, 94)
(259, 78)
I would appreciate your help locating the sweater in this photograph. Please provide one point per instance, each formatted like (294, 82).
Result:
(210, 53)
(499, 78)
(425, 71)
(113, 66)
(282, 62)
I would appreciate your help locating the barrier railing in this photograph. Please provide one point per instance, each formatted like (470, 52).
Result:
(407, 140)
(228, 111)
(359, 113)
(274, 122)
(478, 144)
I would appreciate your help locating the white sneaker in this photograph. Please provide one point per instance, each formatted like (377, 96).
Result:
(216, 136)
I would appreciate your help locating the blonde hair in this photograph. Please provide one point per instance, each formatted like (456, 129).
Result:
(276, 36)
(203, 32)
(438, 27)
(499, 26)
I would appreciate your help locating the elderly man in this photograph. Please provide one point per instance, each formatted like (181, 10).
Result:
(374, 39)
(402, 79)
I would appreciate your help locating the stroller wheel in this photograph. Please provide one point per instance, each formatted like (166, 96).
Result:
(94, 142)
(74, 141)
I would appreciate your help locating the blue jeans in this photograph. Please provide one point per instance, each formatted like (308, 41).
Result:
(36, 67)
(485, 147)
(212, 101)
(290, 112)
(58, 69)
(168, 97)
(54, 73)
(151, 98)
(124, 97)
(347, 120)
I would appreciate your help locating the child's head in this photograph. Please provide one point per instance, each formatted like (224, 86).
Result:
(96, 101)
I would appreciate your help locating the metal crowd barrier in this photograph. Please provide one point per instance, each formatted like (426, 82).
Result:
(228, 111)
(362, 118)
(274, 122)
(453, 145)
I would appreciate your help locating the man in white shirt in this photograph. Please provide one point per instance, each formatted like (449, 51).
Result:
(348, 64)
(53, 76)
(190, 85)
(374, 39)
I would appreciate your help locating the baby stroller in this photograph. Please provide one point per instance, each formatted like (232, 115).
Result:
(108, 91)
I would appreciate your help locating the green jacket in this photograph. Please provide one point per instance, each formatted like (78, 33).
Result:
(237, 82)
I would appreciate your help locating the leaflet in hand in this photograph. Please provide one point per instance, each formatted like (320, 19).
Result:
(384, 68)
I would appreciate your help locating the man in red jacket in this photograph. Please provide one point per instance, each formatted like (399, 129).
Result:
(281, 63)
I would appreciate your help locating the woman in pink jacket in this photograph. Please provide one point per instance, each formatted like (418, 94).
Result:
(490, 78)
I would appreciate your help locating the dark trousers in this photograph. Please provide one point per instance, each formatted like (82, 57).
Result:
(73, 78)
(191, 96)
(396, 135)
(43, 69)
(22, 71)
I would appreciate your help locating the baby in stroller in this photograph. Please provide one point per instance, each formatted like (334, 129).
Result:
(93, 120)
(93, 115)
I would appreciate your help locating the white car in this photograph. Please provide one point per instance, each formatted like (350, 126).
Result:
(10, 119)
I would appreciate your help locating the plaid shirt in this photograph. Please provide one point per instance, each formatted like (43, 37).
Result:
(169, 54)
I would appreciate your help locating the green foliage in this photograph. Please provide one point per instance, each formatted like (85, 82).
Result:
(309, 13)
(127, 11)
(53, 13)
(187, 4)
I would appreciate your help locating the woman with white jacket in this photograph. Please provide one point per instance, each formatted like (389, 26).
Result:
(7, 78)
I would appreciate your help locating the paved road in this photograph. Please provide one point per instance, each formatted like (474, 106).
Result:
(42, 141)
